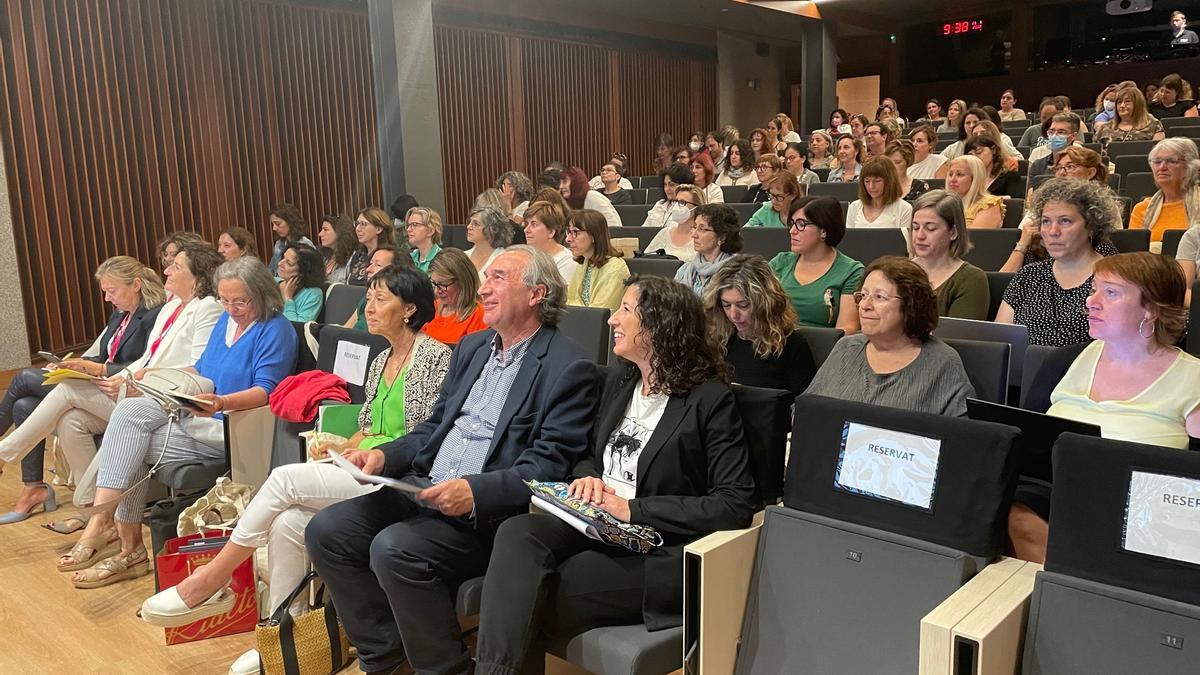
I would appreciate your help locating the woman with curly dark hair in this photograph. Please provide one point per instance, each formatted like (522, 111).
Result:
(753, 322)
(895, 361)
(289, 227)
(301, 274)
(716, 238)
(669, 454)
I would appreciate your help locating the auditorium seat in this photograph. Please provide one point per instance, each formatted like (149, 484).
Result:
(341, 301)
(1127, 164)
(867, 244)
(765, 241)
(633, 215)
(820, 341)
(1172, 123)
(744, 211)
(1193, 336)
(1120, 588)
(1130, 241)
(1190, 131)
(637, 195)
(1138, 186)
(1170, 241)
(654, 267)
(648, 182)
(844, 192)
(588, 327)
(734, 193)
(1124, 148)
(997, 284)
(842, 576)
(654, 195)
(986, 364)
(990, 248)
(1014, 211)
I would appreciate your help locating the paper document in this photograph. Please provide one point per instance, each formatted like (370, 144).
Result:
(361, 477)
(59, 374)
(582, 526)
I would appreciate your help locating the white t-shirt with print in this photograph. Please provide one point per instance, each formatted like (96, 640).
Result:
(627, 440)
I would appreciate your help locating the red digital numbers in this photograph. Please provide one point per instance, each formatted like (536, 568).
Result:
(960, 27)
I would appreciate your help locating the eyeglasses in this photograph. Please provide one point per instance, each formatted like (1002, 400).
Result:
(799, 224)
(363, 223)
(777, 197)
(764, 167)
(574, 231)
(1066, 168)
(1166, 161)
(442, 285)
(235, 305)
(685, 204)
(474, 224)
(413, 226)
(877, 297)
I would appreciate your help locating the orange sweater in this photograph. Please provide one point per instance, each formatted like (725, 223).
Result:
(449, 330)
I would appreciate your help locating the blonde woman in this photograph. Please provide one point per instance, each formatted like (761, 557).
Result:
(424, 229)
(675, 238)
(753, 322)
(967, 177)
(457, 309)
(954, 113)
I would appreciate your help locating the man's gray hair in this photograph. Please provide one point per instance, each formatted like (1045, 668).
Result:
(260, 285)
(541, 271)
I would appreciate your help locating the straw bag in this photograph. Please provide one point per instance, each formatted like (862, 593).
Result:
(313, 643)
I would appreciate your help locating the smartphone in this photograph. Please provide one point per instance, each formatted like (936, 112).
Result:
(51, 357)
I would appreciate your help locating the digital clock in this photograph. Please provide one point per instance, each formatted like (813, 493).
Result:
(961, 27)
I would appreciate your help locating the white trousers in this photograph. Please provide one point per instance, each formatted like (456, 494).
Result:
(280, 511)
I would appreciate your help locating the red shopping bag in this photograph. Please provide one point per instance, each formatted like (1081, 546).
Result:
(172, 567)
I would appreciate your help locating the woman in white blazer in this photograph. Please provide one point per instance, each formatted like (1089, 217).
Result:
(78, 409)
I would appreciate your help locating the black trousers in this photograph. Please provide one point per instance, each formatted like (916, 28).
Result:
(547, 582)
(24, 394)
(392, 568)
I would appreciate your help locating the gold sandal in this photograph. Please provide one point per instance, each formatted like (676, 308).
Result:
(91, 550)
(115, 569)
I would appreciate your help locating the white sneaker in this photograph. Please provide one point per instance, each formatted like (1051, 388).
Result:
(246, 664)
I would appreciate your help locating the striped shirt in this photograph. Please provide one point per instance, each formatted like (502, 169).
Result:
(464, 450)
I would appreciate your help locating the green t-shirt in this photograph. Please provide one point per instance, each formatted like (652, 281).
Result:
(817, 303)
(361, 312)
(387, 413)
(765, 216)
(965, 295)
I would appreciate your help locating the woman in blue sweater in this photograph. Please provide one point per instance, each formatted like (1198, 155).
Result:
(252, 348)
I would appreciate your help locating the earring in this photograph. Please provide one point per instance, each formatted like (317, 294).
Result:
(406, 319)
(1143, 323)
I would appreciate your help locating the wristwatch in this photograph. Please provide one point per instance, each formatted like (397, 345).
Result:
(1019, 248)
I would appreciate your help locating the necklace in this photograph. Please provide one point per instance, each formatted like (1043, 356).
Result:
(395, 370)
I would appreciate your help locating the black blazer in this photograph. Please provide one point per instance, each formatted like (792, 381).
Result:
(133, 343)
(542, 431)
(693, 479)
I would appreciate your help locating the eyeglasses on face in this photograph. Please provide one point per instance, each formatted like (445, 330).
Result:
(1165, 161)
(799, 224)
(235, 305)
(574, 231)
(877, 297)
(442, 285)
(776, 197)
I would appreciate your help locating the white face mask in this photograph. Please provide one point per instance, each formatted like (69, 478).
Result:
(695, 146)
(1109, 106)
(677, 213)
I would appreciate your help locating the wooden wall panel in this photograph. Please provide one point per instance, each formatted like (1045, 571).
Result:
(536, 98)
(126, 119)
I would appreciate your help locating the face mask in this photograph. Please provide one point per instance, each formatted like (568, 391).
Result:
(695, 146)
(676, 214)
(1057, 143)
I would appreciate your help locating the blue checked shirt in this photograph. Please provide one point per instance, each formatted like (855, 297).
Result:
(464, 450)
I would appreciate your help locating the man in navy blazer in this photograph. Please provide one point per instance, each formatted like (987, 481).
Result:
(518, 403)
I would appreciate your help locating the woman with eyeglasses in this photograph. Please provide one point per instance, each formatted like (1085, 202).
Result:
(301, 277)
(254, 350)
(423, 227)
(896, 361)
(767, 167)
(1131, 122)
(849, 160)
(77, 410)
(611, 185)
(665, 211)
(599, 279)
(675, 238)
(489, 232)
(716, 238)
(372, 227)
(739, 164)
(457, 311)
(402, 386)
(819, 279)
(939, 239)
(1176, 204)
(781, 190)
(795, 160)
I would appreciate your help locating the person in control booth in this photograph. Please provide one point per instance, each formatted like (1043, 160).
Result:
(1180, 35)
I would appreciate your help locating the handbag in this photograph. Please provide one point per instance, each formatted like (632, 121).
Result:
(219, 509)
(313, 643)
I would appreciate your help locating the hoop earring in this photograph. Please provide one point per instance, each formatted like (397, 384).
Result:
(1145, 337)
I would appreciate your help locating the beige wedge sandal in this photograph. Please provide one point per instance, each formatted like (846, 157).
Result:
(91, 550)
(113, 570)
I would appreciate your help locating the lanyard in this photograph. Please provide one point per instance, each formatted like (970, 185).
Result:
(166, 327)
(115, 344)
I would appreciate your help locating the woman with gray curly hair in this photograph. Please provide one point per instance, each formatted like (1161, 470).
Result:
(1049, 296)
(516, 188)
(490, 231)
(253, 347)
